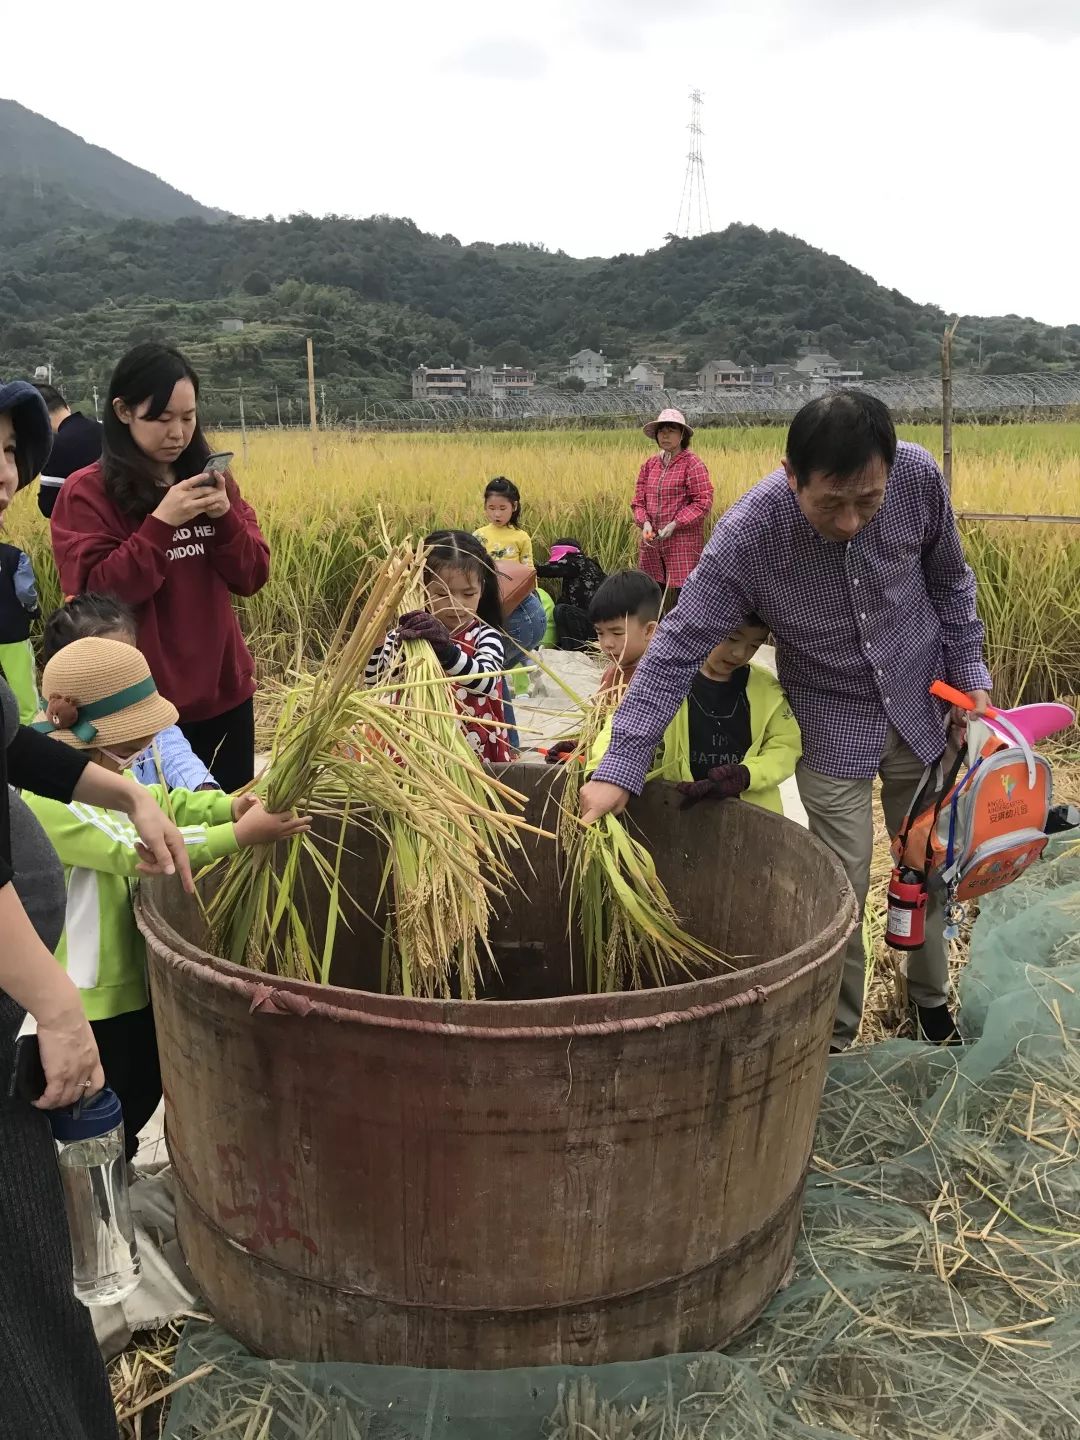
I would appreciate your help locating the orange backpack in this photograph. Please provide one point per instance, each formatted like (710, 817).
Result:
(988, 825)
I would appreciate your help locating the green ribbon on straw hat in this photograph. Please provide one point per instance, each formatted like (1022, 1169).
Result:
(84, 729)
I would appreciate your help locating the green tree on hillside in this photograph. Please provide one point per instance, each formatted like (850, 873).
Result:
(383, 296)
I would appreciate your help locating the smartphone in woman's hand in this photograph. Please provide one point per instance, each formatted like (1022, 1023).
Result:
(216, 465)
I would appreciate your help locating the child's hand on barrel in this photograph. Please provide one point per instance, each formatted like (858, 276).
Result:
(694, 790)
(257, 826)
(730, 780)
(723, 782)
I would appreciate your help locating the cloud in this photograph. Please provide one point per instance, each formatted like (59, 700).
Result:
(505, 59)
(631, 24)
(1048, 19)
(622, 24)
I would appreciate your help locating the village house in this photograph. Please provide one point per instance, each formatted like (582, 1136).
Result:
(775, 376)
(440, 382)
(589, 366)
(506, 382)
(722, 374)
(644, 376)
(818, 367)
(464, 381)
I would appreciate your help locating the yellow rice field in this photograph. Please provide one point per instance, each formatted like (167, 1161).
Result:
(318, 507)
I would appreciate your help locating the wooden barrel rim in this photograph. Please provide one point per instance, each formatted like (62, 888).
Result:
(268, 999)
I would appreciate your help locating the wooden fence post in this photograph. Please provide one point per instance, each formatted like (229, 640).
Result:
(243, 419)
(946, 401)
(311, 396)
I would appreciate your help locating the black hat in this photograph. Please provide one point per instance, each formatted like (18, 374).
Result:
(33, 428)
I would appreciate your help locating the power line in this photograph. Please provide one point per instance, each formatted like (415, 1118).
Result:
(694, 204)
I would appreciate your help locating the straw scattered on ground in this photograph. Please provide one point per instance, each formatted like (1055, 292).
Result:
(142, 1380)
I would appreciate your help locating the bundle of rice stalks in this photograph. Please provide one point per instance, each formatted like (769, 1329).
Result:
(440, 875)
(390, 759)
(630, 933)
(252, 917)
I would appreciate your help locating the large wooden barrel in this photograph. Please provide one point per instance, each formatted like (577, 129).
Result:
(540, 1178)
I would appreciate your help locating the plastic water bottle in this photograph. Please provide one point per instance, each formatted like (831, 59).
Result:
(93, 1170)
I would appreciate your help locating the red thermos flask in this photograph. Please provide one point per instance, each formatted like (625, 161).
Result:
(906, 927)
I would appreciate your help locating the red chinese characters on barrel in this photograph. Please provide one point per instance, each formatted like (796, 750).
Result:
(261, 1193)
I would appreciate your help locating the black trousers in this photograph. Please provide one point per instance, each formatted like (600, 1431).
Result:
(226, 744)
(127, 1045)
(573, 628)
(52, 1378)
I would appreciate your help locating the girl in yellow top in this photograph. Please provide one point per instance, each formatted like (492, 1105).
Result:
(734, 736)
(502, 536)
(503, 539)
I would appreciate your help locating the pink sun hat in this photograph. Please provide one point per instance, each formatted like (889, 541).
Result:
(667, 417)
(560, 552)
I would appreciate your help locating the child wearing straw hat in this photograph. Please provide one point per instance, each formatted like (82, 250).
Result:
(100, 698)
(169, 758)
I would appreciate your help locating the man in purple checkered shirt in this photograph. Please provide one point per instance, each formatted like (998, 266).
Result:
(850, 553)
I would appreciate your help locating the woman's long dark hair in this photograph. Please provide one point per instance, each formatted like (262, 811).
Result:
(458, 550)
(149, 372)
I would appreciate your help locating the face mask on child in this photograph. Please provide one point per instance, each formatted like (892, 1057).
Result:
(125, 762)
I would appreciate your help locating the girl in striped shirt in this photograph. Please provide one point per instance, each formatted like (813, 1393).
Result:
(461, 624)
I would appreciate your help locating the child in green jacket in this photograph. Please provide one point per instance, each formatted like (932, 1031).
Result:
(734, 735)
(101, 698)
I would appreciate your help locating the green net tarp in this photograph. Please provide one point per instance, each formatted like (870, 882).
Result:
(937, 1279)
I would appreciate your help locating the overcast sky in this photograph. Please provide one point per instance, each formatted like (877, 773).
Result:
(933, 143)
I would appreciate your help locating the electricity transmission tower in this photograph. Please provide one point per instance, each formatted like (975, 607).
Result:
(694, 205)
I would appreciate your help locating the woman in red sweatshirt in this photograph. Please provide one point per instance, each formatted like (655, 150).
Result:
(149, 525)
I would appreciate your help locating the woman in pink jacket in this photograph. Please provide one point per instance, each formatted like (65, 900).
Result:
(672, 497)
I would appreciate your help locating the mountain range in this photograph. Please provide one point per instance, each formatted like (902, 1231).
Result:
(96, 254)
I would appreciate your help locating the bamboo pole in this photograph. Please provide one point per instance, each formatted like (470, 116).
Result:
(243, 419)
(946, 401)
(311, 396)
